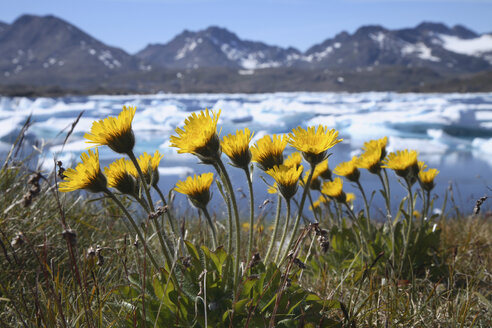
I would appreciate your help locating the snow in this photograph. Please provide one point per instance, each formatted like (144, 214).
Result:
(473, 47)
(378, 37)
(421, 50)
(246, 72)
(247, 60)
(414, 121)
(189, 46)
(318, 56)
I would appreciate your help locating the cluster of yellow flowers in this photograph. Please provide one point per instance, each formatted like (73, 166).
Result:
(122, 174)
(199, 136)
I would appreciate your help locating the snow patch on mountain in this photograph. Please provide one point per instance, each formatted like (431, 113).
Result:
(421, 50)
(190, 45)
(471, 47)
(378, 37)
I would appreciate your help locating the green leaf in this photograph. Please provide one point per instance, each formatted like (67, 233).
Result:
(240, 306)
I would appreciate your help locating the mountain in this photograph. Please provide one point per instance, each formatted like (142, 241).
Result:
(45, 55)
(446, 50)
(216, 47)
(3, 26)
(50, 50)
(432, 45)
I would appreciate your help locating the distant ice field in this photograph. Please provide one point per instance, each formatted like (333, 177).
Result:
(452, 132)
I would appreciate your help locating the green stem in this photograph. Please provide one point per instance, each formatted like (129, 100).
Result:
(366, 205)
(251, 212)
(387, 189)
(386, 194)
(284, 233)
(142, 178)
(134, 225)
(227, 201)
(299, 214)
(354, 219)
(409, 223)
(328, 208)
(312, 206)
(274, 235)
(388, 213)
(212, 227)
(228, 184)
(166, 249)
(168, 212)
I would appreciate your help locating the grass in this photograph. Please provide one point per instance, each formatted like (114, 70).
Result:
(50, 280)
(73, 260)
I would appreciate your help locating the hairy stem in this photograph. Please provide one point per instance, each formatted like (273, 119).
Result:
(275, 229)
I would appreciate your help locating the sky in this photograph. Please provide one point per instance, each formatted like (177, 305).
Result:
(132, 24)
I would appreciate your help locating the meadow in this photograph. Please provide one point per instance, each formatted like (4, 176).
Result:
(105, 247)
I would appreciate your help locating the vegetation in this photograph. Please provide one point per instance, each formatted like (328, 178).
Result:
(71, 258)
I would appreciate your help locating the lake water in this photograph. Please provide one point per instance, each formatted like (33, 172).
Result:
(452, 132)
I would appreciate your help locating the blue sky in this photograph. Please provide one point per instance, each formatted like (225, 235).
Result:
(132, 24)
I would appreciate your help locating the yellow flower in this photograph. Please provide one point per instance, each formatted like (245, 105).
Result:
(293, 159)
(149, 166)
(321, 200)
(313, 143)
(197, 188)
(273, 189)
(334, 189)
(350, 197)
(267, 151)
(416, 214)
(323, 170)
(199, 136)
(370, 160)
(236, 147)
(422, 165)
(119, 176)
(377, 144)
(114, 132)
(348, 169)
(86, 175)
(319, 170)
(256, 227)
(427, 178)
(287, 178)
(403, 162)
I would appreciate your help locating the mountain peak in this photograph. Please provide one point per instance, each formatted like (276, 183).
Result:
(366, 29)
(464, 32)
(433, 27)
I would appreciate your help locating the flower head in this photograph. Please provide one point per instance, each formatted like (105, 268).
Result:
(370, 160)
(199, 136)
(150, 167)
(350, 197)
(267, 151)
(427, 178)
(287, 178)
(86, 175)
(294, 159)
(236, 147)
(197, 188)
(403, 162)
(273, 189)
(119, 176)
(114, 132)
(377, 144)
(313, 143)
(323, 170)
(348, 169)
(334, 189)
(317, 204)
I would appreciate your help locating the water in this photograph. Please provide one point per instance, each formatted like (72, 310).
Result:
(452, 132)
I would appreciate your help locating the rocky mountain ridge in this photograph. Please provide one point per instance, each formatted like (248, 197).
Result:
(39, 52)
